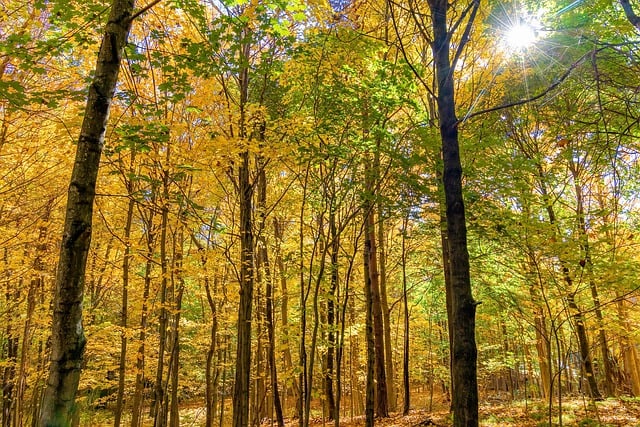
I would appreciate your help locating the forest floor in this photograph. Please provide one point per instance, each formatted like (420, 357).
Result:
(576, 412)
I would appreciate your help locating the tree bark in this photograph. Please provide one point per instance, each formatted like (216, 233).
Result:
(405, 302)
(124, 306)
(243, 351)
(382, 404)
(386, 314)
(245, 194)
(331, 318)
(159, 389)
(464, 351)
(265, 267)
(371, 354)
(633, 18)
(67, 339)
(136, 417)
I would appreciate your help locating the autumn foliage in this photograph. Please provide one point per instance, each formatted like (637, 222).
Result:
(321, 213)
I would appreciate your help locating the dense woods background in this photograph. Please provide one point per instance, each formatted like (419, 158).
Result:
(276, 231)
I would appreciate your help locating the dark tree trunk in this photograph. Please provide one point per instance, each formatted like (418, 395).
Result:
(243, 352)
(67, 338)
(386, 312)
(264, 267)
(331, 318)
(245, 195)
(371, 354)
(124, 307)
(382, 404)
(157, 409)
(463, 306)
(136, 417)
(174, 360)
(405, 354)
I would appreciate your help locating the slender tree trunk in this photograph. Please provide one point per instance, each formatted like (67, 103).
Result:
(122, 366)
(331, 318)
(382, 405)
(245, 194)
(629, 353)
(587, 264)
(543, 339)
(464, 350)
(340, 341)
(12, 297)
(316, 318)
(159, 390)
(259, 391)
(211, 389)
(35, 285)
(371, 355)
(284, 312)
(68, 340)
(265, 267)
(136, 417)
(405, 300)
(576, 313)
(304, 292)
(243, 353)
(174, 358)
(386, 315)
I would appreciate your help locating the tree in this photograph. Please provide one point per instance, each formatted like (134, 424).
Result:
(463, 351)
(68, 341)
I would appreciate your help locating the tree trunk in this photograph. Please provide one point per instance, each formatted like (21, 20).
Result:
(12, 297)
(628, 349)
(160, 390)
(331, 318)
(578, 318)
(371, 354)
(136, 417)
(243, 351)
(543, 340)
(588, 267)
(382, 404)
(386, 315)
(174, 358)
(67, 339)
(464, 351)
(122, 367)
(405, 302)
(265, 267)
(284, 312)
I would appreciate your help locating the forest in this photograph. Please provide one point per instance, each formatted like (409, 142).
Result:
(320, 212)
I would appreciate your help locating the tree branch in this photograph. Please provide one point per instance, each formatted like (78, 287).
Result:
(145, 9)
(552, 87)
(465, 36)
(631, 15)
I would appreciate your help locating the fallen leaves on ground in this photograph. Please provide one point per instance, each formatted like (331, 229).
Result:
(576, 412)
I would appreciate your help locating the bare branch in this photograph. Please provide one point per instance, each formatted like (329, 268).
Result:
(145, 9)
(465, 36)
(549, 89)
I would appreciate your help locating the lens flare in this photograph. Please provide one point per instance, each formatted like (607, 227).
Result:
(520, 36)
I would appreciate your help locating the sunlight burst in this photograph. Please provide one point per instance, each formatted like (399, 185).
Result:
(520, 36)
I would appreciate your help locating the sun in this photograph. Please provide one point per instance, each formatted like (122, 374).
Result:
(520, 36)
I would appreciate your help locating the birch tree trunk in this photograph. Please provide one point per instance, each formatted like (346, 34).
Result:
(67, 339)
